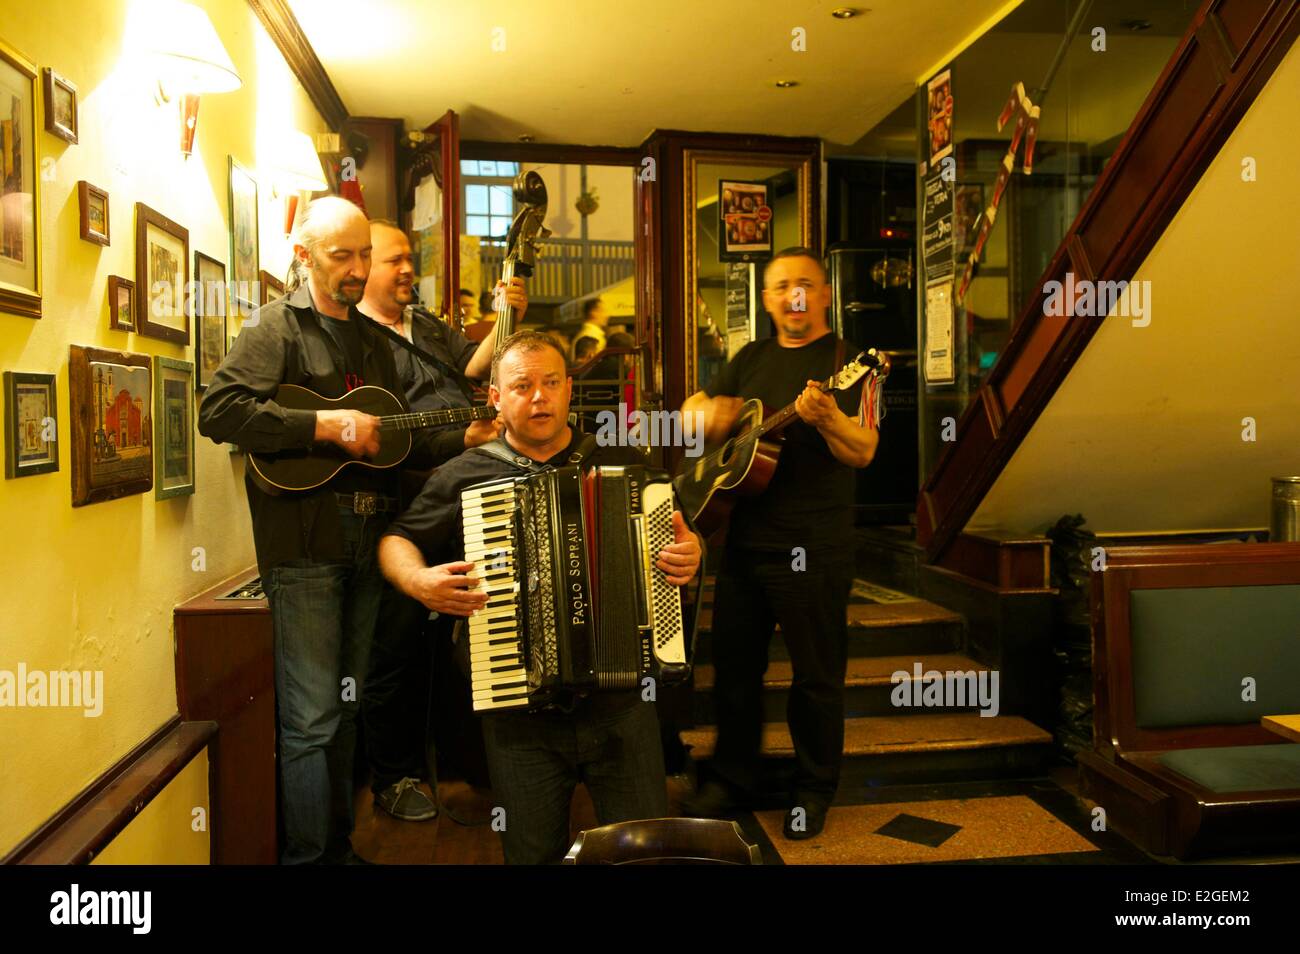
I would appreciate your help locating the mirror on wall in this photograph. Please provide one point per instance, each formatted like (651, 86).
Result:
(738, 209)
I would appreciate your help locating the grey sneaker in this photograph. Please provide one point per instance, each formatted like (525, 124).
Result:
(404, 800)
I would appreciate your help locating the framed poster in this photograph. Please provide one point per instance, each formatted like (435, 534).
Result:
(121, 303)
(111, 396)
(244, 257)
(20, 188)
(174, 427)
(31, 424)
(93, 204)
(940, 363)
(60, 106)
(209, 318)
(744, 221)
(162, 276)
(939, 114)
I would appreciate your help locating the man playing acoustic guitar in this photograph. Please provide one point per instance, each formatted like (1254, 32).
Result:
(789, 554)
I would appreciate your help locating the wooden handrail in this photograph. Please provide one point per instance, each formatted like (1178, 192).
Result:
(1226, 57)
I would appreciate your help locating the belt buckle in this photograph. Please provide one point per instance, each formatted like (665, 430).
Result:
(363, 502)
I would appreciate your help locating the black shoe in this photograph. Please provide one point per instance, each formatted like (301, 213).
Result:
(804, 822)
(714, 800)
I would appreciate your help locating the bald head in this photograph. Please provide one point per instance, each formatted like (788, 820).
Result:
(334, 243)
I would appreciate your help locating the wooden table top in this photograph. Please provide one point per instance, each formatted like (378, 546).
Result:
(1287, 726)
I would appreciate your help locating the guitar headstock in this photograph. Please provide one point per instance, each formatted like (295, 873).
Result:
(867, 362)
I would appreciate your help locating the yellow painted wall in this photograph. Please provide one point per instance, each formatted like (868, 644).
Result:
(170, 830)
(1146, 433)
(93, 588)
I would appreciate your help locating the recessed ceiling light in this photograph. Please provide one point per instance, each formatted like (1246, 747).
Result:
(526, 138)
(786, 84)
(846, 13)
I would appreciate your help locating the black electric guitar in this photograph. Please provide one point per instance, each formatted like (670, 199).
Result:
(525, 238)
(306, 470)
(709, 486)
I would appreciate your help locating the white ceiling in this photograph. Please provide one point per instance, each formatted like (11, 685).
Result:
(607, 73)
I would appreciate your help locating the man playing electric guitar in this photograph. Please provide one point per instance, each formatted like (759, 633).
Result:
(789, 557)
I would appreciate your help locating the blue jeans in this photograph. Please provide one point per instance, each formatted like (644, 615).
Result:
(324, 619)
(536, 760)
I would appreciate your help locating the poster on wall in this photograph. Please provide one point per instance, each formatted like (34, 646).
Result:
(940, 115)
(937, 225)
(940, 366)
(744, 221)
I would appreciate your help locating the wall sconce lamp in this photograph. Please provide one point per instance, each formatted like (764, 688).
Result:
(294, 167)
(190, 60)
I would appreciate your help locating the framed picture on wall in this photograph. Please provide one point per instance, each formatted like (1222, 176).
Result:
(210, 318)
(94, 212)
(60, 106)
(744, 221)
(20, 187)
(121, 303)
(244, 258)
(31, 424)
(272, 288)
(968, 206)
(162, 275)
(111, 396)
(173, 418)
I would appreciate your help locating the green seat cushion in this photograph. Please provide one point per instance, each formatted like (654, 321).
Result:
(1239, 768)
(1193, 647)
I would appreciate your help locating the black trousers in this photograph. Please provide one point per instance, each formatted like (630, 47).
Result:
(754, 591)
(395, 703)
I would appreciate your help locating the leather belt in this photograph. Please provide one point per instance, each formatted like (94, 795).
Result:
(365, 502)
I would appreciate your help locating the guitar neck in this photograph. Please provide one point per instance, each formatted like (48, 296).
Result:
(777, 422)
(416, 420)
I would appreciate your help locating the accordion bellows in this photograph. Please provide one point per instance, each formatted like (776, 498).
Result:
(575, 601)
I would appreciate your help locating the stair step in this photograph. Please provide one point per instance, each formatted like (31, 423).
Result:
(868, 685)
(910, 748)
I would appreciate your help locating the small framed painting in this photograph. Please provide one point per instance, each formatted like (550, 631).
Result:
(244, 258)
(744, 221)
(210, 318)
(111, 395)
(272, 288)
(162, 275)
(20, 186)
(94, 213)
(173, 417)
(60, 106)
(121, 303)
(31, 424)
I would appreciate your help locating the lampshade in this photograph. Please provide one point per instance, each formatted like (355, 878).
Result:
(294, 164)
(187, 52)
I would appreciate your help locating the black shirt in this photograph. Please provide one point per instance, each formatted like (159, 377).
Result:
(809, 502)
(432, 522)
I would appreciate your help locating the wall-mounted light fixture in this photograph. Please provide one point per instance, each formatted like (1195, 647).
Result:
(189, 59)
(294, 166)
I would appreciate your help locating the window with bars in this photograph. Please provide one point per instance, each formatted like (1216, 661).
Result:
(489, 198)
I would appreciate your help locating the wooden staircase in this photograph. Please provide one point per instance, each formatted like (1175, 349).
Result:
(883, 743)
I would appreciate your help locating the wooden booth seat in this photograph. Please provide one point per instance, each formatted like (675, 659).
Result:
(1192, 646)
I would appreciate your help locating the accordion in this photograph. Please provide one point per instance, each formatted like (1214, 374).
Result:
(575, 601)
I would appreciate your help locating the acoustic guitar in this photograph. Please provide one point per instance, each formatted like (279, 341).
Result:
(709, 487)
(307, 470)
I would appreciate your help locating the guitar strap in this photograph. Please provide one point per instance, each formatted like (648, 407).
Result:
(465, 384)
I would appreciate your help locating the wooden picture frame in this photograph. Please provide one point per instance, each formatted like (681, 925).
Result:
(209, 307)
(20, 186)
(31, 424)
(121, 303)
(270, 288)
(162, 276)
(92, 200)
(173, 418)
(245, 257)
(60, 106)
(111, 396)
